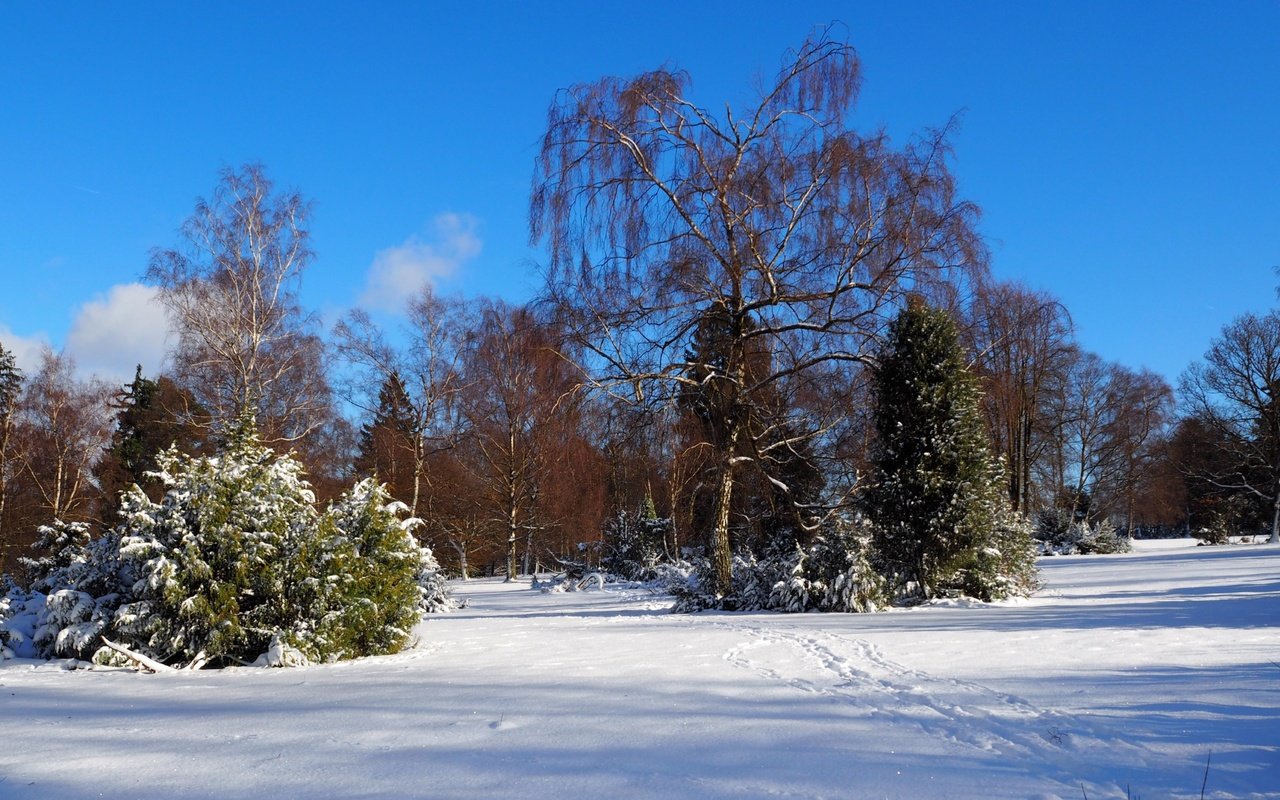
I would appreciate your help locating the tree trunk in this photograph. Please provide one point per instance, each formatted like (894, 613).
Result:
(512, 539)
(462, 558)
(1275, 521)
(721, 556)
(419, 467)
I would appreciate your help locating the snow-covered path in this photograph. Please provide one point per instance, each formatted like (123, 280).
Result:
(1125, 671)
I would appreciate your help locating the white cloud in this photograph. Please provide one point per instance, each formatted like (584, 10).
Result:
(26, 349)
(113, 333)
(399, 272)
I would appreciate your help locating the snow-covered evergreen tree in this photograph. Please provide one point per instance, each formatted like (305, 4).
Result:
(635, 543)
(20, 611)
(1058, 532)
(934, 498)
(367, 579)
(236, 562)
(58, 545)
(215, 554)
(233, 565)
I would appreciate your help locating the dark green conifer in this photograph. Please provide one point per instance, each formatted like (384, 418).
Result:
(387, 441)
(934, 497)
(151, 416)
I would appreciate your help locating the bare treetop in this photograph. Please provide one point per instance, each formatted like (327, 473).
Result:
(246, 346)
(648, 202)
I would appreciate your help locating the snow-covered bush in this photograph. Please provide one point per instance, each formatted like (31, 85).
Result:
(754, 579)
(1057, 533)
(232, 564)
(217, 557)
(634, 544)
(838, 573)
(20, 613)
(1006, 566)
(670, 576)
(834, 574)
(361, 580)
(1102, 539)
(433, 585)
(57, 546)
(76, 588)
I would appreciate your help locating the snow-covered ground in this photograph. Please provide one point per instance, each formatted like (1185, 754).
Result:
(1124, 672)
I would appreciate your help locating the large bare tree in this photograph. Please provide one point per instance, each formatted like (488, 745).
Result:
(799, 233)
(246, 347)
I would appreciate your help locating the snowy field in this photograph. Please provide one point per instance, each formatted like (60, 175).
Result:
(1124, 672)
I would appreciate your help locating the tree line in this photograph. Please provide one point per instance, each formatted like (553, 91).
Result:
(720, 289)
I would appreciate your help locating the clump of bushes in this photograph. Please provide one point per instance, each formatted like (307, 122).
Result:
(1057, 532)
(233, 565)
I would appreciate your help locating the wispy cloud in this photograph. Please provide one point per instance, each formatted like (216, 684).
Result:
(399, 272)
(115, 332)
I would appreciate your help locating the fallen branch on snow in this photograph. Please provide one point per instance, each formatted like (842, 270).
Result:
(142, 661)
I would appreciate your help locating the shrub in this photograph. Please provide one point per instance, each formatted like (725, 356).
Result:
(233, 564)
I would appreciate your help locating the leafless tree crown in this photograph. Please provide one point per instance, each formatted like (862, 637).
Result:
(245, 345)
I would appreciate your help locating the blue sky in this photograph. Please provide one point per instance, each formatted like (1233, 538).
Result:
(1126, 156)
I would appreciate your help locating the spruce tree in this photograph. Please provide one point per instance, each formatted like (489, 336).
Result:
(388, 441)
(935, 500)
(151, 416)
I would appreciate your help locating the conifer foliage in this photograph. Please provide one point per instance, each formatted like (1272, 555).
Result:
(935, 502)
(151, 416)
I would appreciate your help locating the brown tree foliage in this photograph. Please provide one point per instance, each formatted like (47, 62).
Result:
(1021, 340)
(542, 485)
(420, 388)
(60, 426)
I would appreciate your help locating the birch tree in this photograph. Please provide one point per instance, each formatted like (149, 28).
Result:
(245, 345)
(800, 232)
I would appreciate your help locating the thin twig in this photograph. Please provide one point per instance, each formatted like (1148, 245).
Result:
(1205, 782)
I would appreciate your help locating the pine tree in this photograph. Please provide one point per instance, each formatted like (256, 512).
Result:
(216, 556)
(389, 442)
(58, 546)
(364, 589)
(935, 497)
(151, 416)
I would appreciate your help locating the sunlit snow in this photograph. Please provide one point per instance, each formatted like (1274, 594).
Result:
(1123, 673)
